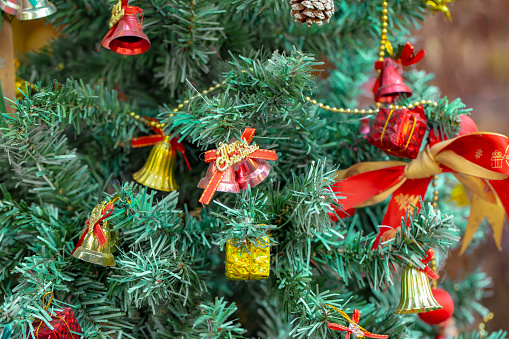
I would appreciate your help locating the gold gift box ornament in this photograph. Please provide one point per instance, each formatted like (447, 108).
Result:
(248, 261)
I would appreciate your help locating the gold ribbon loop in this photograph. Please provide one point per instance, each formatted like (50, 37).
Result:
(424, 166)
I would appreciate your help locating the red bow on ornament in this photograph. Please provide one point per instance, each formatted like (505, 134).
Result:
(407, 57)
(354, 326)
(228, 155)
(430, 255)
(99, 213)
(151, 140)
(479, 160)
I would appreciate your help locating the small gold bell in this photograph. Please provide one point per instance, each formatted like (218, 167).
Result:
(416, 295)
(157, 173)
(97, 241)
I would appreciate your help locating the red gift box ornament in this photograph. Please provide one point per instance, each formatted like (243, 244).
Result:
(399, 132)
(354, 327)
(64, 323)
(248, 160)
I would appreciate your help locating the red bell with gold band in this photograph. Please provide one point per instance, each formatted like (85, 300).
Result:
(246, 159)
(390, 85)
(399, 132)
(126, 35)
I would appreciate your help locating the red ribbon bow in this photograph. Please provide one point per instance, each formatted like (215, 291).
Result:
(213, 155)
(407, 57)
(150, 140)
(98, 232)
(468, 157)
(428, 271)
(354, 327)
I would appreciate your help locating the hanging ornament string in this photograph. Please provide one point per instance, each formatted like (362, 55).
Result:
(45, 307)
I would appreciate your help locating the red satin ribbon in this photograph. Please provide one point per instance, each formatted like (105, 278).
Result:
(211, 156)
(407, 57)
(428, 271)
(479, 155)
(150, 140)
(98, 232)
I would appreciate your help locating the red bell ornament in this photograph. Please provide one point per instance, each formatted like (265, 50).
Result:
(399, 132)
(126, 35)
(227, 183)
(443, 314)
(252, 172)
(390, 85)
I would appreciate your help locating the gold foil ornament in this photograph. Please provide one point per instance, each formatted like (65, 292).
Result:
(416, 295)
(97, 241)
(248, 261)
(158, 171)
(117, 13)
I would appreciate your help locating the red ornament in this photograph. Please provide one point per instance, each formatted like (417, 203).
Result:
(126, 35)
(441, 315)
(399, 132)
(64, 323)
(389, 85)
(467, 126)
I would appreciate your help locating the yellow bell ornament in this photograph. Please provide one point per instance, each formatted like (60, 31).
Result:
(416, 295)
(97, 241)
(158, 171)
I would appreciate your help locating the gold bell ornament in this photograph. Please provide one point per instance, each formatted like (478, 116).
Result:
(158, 171)
(97, 241)
(247, 261)
(416, 295)
(35, 9)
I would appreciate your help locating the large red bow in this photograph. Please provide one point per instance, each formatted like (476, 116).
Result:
(239, 151)
(479, 160)
(150, 140)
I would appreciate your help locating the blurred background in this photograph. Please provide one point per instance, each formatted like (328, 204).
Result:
(470, 59)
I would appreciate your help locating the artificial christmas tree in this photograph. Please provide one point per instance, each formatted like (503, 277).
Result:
(303, 242)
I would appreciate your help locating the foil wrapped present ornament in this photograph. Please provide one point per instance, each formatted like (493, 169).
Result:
(64, 324)
(247, 261)
(9, 6)
(158, 170)
(399, 132)
(234, 166)
(416, 295)
(97, 241)
(31, 9)
(126, 35)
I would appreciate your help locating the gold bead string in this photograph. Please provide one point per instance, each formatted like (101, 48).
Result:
(151, 123)
(434, 268)
(367, 111)
(482, 326)
(435, 192)
(383, 37)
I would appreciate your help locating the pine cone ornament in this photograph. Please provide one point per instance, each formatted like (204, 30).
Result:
(312, 11)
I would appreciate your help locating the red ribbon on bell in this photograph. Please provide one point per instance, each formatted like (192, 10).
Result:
(228, 155)
(430, 255)
(151, 140)
(96, 228)
(407, 57)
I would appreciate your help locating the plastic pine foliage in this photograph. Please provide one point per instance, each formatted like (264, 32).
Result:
(67, 149)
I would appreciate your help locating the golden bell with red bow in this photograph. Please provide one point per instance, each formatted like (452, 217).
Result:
(158, 171)
(416, 295)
